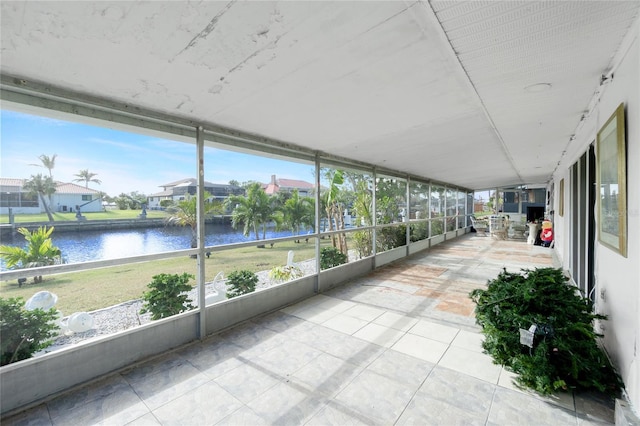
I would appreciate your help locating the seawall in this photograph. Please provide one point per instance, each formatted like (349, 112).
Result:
(7, 229)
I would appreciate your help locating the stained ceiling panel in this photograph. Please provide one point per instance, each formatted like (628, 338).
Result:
(435, 89)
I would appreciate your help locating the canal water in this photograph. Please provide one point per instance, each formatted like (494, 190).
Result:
(100, 245)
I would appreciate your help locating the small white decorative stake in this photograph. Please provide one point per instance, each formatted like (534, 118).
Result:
(526, 336)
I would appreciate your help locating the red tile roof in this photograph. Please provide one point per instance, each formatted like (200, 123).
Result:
(72, 188)
(275, 185)
(61, 187)
(293, 183)
(11, 182)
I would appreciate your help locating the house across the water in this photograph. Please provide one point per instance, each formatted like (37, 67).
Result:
(179, 190)
(67, 197)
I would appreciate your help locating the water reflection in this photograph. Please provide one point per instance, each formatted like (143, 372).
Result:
(99, 245)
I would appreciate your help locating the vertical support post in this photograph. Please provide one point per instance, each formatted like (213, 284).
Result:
(407, 217)
(469, 209)
(374, 220)
(200, 279)
(317, 223)
(520, 195)
(446, 213)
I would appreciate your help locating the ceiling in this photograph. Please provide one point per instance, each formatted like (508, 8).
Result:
(445, 90)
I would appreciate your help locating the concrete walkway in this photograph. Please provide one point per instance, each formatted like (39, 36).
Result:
(399, 346)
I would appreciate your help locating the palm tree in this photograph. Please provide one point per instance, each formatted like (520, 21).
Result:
(252, 210)
(39, 251)
(298, 211)
(334, 210)
(41, 186)
(363, 208)
(86, 176)
(47, 162)
(270, 211)
(184, 213)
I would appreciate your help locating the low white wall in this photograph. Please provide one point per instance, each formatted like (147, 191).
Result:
(391, 256)
(233, 311)
(418, 246)
(20, 210)
(436, 240)
(333, 277)
(28, 381)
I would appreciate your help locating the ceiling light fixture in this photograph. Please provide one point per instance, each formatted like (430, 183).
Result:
(538, 87)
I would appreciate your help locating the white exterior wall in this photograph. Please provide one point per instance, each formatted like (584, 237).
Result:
(617, 277)
(73, 200)
(154, 202)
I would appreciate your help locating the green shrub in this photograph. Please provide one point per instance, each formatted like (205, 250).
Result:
(285, 273)
(564, 353)
(39, 251)
(419, 231)
(391, 237)
(331, 257)
(22, 332)
(167, 295)
(363, 241)
(436, 227)
(241, 282)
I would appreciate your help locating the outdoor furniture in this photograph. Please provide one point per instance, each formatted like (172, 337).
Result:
(498, 225)
(480, 225)
(533, 232)
(516, 231)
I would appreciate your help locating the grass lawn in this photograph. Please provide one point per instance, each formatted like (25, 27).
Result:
(100, 288)
(71, 216)
(484, 213)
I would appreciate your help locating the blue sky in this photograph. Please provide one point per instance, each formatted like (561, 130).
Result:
(123, 161)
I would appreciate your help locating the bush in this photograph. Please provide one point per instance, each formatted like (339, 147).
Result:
(436, 227)
(331, 257)
(419, 231)
(241, 282)
(167, 295)
(285, 273)
(391, 237)
(22, 332)
(363, 242)
(39, 251)
(564, 353)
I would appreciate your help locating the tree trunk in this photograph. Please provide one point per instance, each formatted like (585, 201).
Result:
(342, 238)
(194, 238)
(330, 220)
(46, 207)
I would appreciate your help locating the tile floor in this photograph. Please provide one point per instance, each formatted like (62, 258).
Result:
(397, 347)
